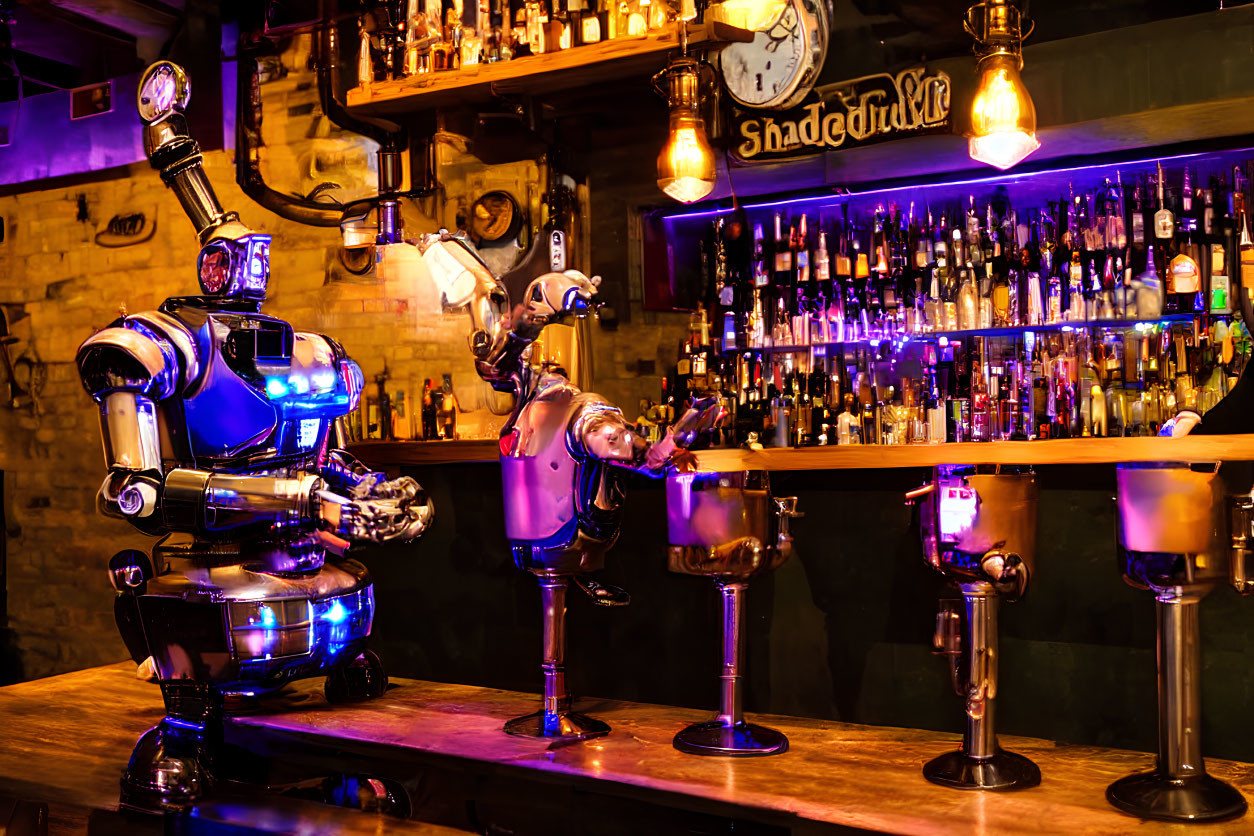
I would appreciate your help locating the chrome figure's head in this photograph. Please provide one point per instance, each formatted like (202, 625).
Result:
(234, 262)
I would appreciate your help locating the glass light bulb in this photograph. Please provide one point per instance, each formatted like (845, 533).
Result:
(754, 15)
(1003, 118)
(686, 170)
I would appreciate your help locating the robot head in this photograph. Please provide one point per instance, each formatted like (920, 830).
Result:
(554, 297)
(234, 263)
(163, 91)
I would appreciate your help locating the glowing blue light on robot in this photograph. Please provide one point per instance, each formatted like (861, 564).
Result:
(276, 387)
(268, 618)
(337, 613)
(323, 381)
(299, 383)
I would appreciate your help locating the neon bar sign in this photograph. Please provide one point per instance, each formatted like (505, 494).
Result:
(858, 112)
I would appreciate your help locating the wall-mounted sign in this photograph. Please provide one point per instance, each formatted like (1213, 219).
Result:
(848, 114)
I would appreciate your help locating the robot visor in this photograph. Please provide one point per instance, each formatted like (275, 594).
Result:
(235, 268)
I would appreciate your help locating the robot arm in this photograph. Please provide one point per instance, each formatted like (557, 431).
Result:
(601, 432)
(366, 506)
(500, 332)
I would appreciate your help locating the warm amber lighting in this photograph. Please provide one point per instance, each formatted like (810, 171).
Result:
(1003, 118)
(754, 15)
(685, 169)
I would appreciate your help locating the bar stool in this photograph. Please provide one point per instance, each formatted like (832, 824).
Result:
(979, 531)
(1172, 538)
(728, 527)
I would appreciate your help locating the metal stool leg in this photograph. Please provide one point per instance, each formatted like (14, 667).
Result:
(1178, 789)
(555, 719)
(981, 764)
(728, 734)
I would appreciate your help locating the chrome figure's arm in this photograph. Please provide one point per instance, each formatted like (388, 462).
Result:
(365, 506)
(601, 432)
(465, 282)
(501, 333)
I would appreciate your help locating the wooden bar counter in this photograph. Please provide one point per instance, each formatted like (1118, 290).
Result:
(869, 456)
(68, 737)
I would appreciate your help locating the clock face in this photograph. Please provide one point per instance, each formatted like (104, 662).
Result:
(773, 70)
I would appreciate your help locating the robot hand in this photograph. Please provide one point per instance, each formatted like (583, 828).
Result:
(376, 511)
(1182, 424)
(554, 297)
(702, 415)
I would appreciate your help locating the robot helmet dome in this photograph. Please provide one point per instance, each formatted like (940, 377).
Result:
(235, 263)
(163, 91)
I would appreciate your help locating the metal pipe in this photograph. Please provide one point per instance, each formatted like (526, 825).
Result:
(553, 599)
(731, 696)
(980, 738)
(1179, 686)
(247, 164)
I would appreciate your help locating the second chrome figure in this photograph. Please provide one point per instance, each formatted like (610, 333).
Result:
(564, 454)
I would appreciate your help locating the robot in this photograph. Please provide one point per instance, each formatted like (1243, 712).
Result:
(564, 454)
(219, 426)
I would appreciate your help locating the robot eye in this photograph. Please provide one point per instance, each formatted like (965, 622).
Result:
(215, 270)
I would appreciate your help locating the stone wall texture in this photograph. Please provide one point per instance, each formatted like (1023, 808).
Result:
(57, 286)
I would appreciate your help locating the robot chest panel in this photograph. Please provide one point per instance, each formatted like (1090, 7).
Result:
(266, 392)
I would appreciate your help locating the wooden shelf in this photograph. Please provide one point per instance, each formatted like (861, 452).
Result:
(1201, 448)
(385, 453)
(581, 66)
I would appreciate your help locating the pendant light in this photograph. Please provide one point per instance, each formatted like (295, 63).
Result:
(1003, 118)
(686, 169)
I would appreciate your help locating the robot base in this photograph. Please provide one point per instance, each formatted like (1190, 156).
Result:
(738, 740)
(1154, 795)
(168, 770)
(1004, 771)
(566, 725)
(361, 679)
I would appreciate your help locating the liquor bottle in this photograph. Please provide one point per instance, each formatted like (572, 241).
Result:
(1164, 221)
(1220, 295)
(1149, 294)
(801, 248)
(1138, 218)
(1184, 278)
(783, 254)
(429, 428)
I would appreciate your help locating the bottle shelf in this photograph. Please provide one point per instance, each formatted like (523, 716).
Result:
(1009, 331)
(580, 66)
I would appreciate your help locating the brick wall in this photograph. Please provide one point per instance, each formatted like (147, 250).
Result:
(57, 285)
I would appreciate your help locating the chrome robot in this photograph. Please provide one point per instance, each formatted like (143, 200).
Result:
(219, 427)
(564, 454)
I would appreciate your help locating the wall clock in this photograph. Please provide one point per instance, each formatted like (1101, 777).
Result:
(777, 69)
